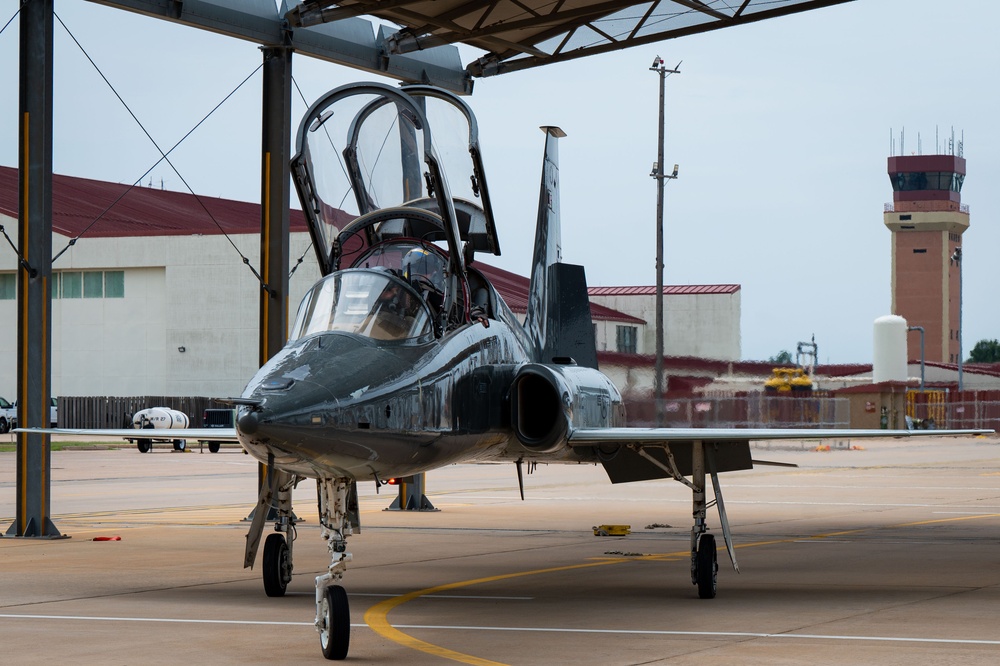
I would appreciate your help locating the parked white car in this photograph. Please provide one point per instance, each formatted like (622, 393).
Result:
(12, 419)
(7, 415)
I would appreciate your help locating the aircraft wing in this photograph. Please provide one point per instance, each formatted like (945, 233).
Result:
(196, 434)
(640, 454)
(652, 436)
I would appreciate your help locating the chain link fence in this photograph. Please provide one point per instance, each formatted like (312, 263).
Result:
(751, 411)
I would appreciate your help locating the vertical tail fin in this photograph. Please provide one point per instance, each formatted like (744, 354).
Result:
(548, 243)
(558, 320)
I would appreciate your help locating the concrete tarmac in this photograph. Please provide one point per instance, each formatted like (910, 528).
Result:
(882, 555)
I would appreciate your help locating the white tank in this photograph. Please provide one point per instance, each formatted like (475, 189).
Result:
(159, 418)
(889, 364)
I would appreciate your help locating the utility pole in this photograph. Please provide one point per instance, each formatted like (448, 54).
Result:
(661, 178)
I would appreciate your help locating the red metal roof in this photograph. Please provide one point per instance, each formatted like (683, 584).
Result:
(141, 211)
(668, 289)
(513, 289)
(144, 211)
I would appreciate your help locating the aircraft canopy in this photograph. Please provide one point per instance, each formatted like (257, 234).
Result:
(364, 148)
(371, 303)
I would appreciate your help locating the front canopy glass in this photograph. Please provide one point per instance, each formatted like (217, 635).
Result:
(372, 303)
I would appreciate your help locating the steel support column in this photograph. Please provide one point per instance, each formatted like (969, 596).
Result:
(34, 304)
(275, 190)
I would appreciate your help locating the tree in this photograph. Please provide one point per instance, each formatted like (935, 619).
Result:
(985, 351)
(784, 357)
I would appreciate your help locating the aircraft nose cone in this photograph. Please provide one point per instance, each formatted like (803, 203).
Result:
(248, 423)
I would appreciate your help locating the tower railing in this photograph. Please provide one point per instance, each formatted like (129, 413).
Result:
(891, 208)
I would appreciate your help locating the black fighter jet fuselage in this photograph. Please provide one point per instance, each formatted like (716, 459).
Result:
(404, 357)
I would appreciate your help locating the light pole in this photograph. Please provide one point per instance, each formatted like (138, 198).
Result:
(956, 256)
(660, 177)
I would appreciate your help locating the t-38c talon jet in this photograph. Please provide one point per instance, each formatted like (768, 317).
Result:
(403, 358)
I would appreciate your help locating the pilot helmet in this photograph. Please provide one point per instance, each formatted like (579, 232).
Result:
(422, 263)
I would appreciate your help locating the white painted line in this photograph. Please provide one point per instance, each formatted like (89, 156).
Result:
(88, 618)
(630, 632)
(710, 634)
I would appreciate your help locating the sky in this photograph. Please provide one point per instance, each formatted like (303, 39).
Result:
(781, 131)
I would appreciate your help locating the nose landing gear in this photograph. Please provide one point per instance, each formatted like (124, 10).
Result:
(338, 515)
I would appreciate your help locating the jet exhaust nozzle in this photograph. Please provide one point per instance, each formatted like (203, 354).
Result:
(541, 413)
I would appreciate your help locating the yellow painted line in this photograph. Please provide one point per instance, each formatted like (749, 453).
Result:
(950, 520)
(377, 616)
(43, 508)
(265, 341)
(22, 438)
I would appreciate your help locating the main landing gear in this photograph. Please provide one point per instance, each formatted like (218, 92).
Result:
(704, 559)
(274, 503)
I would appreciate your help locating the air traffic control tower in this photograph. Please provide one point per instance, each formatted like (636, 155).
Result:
(927, 220)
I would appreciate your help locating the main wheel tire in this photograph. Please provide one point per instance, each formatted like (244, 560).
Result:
(708, 567)
(335, 635)
(144, 445)
(276, 568)
(214, 447)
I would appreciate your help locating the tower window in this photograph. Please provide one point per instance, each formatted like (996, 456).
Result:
(907, 226)
(927, 180)
(905, 217)
(920, 251)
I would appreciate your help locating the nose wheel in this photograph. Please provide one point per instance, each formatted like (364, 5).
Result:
(338, 516)
(335, 623)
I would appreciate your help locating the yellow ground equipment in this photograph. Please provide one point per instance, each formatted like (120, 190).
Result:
(786, 380)
(612, 530)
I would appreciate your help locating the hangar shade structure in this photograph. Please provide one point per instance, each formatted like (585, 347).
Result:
(406, 40)
(519, 34)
